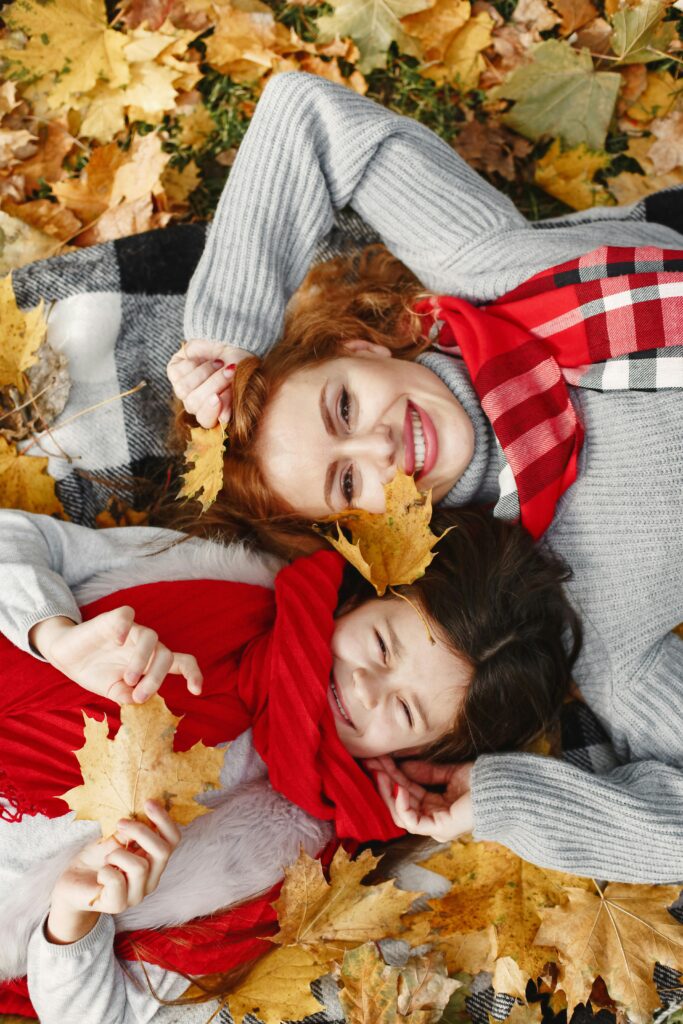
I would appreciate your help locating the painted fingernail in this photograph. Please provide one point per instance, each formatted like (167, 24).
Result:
(229, 371)
(217, 363)
(396, 789)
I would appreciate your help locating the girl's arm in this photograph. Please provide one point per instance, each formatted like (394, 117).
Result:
(42, 559)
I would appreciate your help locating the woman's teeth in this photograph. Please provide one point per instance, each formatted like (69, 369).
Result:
(418, 441)
(339, 703)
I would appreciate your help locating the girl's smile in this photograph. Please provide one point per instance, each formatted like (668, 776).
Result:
(335, 433)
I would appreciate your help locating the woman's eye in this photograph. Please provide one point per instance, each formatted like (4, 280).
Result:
(382, 646)
(408, 714)
(347, 485)
(344, 406)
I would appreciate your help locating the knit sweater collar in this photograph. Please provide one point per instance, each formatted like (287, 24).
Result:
(479, 483)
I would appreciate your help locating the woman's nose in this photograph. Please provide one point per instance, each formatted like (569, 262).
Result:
(376, 445)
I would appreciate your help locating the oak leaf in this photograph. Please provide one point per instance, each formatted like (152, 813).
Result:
(492, 912)
(25, 484)
(559, 94)
(376, 993)
(205, 453)
(327, 918)
(278, 987)
(71, 41)
(373, 25)
(569, 176)
(618, 934)
(22, 336)
(140, 764)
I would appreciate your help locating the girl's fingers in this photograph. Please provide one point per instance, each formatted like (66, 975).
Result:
(155, 673)
(136, 869)
(157, 845)
(113, 894)
(186, 665)
(118, 623)
(143, 642)
(426, 773)
(163, 821)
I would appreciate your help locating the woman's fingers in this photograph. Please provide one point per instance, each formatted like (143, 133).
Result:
(186, 665)
(225, 406)
(190, 375)
(206, 395)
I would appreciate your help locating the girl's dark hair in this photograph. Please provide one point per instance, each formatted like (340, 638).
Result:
(496, 599)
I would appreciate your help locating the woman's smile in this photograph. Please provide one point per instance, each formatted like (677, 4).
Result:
(420, 442)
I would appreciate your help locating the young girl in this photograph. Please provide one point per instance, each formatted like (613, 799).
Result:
(325, 422)
(302, 687)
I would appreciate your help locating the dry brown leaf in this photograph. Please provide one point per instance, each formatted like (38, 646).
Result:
(524, 1013)
(245, 44)
(617, 934)
(391, 547)
(47, 389)
(25, 484)
(435, 27)
(278, 987)
(574, 14)
(667, 152)
(463, 62)
(490, 147)
(657, 97)
(493, 888)
(569, 176)
(627, 187)
(205, 453)
(120, 221)
(89, 194)
(51, 218)
(330, 69)
(328, 918)
(633, 85)
(140, 764)
(179, 184)
(153, 12)
(375, 993)
(596, 36)
(22, 336)
(55, 142)
(536, 15)
(117, 513)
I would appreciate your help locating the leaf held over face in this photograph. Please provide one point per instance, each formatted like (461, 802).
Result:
(205, 479)
(22, 336)
(140, 764)
(328, 918)
(391, 547)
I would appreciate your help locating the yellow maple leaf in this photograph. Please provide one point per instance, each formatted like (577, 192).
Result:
(489, 919)
(22, 335)
(657, 99)
(435, 27)
(462, 61)
(205, 452)
(375, 993)
(569, 176)
(25, 484)
(617, 934)
(328, 918)
(140, 764)
(391, 547)
(71, 41)
(278, 987)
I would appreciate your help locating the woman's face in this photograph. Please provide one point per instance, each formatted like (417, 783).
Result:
(336, 432)
(392, 691)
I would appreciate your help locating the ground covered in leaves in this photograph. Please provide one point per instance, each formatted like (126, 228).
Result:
(118, 119)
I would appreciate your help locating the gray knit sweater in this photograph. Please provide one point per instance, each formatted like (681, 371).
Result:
(313, 148)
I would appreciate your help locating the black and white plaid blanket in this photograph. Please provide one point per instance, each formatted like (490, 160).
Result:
(116, 312)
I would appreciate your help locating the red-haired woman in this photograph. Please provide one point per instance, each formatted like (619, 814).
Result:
(546, 403)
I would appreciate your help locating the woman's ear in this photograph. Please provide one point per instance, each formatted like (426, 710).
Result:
(360, 347)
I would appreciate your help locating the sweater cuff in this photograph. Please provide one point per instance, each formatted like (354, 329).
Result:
(68, 609)
(492, 800)
(101, 935)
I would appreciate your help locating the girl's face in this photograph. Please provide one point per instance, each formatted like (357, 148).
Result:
(336, 432)
(391, 690)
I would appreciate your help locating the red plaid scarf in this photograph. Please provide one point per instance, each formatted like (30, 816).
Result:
(520, 350)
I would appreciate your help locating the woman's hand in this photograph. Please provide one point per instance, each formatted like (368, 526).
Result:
(108, 876)
(444, 812)
(113, 656)
(201, 373)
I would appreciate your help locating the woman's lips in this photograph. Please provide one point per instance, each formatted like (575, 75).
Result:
(337, 704)
(428, 444)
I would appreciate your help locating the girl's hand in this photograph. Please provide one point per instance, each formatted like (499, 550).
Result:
(110, 875)
(201, 373)
(443, 812)
(113, 656)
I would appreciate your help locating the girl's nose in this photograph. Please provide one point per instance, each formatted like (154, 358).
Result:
(365, 689)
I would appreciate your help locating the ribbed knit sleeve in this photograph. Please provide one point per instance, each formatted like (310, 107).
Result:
(314, 147)
(84, 981)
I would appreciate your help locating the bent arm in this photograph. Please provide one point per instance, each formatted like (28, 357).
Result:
(84, 981)
(313, 148)
(42, 559)
(626, 825)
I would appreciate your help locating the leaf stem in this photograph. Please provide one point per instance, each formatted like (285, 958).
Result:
(91, 408)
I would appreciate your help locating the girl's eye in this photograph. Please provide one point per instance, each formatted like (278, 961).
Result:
(344, 406)
(347, 485)
(408, 714)
(382, 645)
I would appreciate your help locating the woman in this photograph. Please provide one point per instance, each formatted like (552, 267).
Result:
(619, 525)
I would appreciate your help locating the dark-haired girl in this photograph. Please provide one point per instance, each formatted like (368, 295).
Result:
(541, 404)
(303, 687)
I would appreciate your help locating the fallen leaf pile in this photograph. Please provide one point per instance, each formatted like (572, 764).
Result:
(140, 764)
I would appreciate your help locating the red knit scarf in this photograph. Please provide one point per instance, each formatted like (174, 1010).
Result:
(608, 303)
(266, 661)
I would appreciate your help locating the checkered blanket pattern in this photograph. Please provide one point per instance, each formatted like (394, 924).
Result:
(116, 311)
